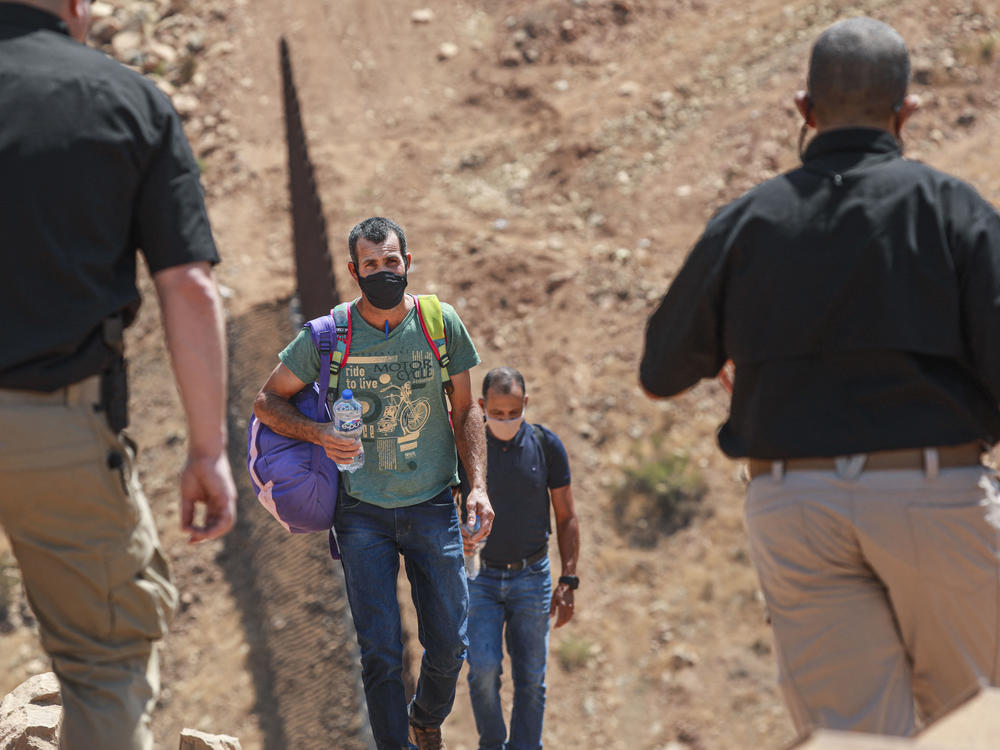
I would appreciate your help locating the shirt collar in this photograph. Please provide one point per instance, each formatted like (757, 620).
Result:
(852, 140)
(33, 19)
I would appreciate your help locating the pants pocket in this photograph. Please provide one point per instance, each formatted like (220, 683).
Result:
(143, 604)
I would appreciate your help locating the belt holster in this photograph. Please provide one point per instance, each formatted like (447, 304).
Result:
(114, 383)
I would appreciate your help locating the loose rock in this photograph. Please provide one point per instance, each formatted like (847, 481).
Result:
(185, 104)
(192, 739)
(103, 30)
(31, 713)
(629, 88)
(447, 51)
(126, 44)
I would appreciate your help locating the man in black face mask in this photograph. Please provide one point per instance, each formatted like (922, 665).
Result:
(859, 298)
(400, 501)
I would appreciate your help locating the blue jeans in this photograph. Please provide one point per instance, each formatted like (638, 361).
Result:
(521, 601)
(371, 540)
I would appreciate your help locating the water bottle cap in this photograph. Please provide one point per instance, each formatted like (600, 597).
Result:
(347, 394)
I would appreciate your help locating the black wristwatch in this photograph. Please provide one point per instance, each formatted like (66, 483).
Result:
(572, 581)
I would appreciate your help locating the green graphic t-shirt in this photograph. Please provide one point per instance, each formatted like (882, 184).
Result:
(409, 444)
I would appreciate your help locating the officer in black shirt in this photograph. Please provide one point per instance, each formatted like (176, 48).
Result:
(859, 299)
(93, 164)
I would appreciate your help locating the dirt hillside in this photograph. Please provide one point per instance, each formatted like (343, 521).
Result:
(552, 162)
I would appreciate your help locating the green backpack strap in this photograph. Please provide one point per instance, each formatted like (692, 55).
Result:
(432, 324)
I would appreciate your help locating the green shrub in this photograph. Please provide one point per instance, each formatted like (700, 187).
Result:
(574, 653)
(658, 496)
(987, 48)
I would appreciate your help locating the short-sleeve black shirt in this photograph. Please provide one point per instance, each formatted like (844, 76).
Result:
(93, 165)
(859, 297)
(520, 472)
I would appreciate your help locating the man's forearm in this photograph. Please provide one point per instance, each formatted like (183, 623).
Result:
(195, 336)
(470, 440)
(281, 416)
(568, 535)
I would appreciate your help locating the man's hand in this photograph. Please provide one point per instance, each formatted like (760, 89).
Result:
(562, 604)
(726, 376)
(468, 546)
(207, 482)
(340, 449)
(477, 505)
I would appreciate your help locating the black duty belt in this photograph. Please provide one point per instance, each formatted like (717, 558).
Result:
(517, 564)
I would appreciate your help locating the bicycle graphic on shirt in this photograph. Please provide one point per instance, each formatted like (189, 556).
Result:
(398, 407)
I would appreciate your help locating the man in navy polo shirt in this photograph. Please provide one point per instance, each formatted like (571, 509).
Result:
(527, 468)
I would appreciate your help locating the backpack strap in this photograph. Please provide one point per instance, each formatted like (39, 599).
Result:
(432, 324)
(543, 443)
(326, 341)
(341, 315)
(331, 335)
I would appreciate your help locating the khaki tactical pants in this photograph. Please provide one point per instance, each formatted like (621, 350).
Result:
(86, 543)
(883, 589)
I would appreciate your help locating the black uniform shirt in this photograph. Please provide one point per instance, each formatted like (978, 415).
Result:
(859, 297)
(93, 164)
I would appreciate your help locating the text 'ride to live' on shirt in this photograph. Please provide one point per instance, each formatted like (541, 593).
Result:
(409, 445)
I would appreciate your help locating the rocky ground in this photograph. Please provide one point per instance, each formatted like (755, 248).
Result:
(552, 162)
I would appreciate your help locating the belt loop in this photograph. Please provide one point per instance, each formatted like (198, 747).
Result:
(850, 467)
(932, 463)
(777, 470)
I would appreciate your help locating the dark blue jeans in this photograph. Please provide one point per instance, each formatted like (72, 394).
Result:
(371, 540)
(519, 600)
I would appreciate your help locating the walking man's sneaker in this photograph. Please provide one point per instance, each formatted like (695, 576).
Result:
(427, 738)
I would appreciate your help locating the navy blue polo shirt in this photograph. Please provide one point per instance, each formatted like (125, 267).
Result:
(519, 474)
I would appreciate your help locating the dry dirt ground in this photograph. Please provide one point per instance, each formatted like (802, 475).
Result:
(551, 175)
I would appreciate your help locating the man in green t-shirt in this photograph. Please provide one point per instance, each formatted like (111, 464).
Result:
(400, 500)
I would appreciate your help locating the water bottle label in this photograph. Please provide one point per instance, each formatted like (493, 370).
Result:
(350, 425)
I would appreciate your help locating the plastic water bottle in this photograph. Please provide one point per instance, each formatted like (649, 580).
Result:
(473, 561)
(347, 422)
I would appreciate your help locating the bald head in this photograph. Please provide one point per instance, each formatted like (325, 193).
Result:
(858, 72)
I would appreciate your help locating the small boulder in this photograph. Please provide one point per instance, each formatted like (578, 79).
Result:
(30, 715)
(192, 739)
(185, 104)
(126, 44)
(447, 50)
(103, 30)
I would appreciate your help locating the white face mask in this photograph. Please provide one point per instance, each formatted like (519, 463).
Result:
(504, 429)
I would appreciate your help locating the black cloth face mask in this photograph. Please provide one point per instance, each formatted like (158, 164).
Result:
(383, 289)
